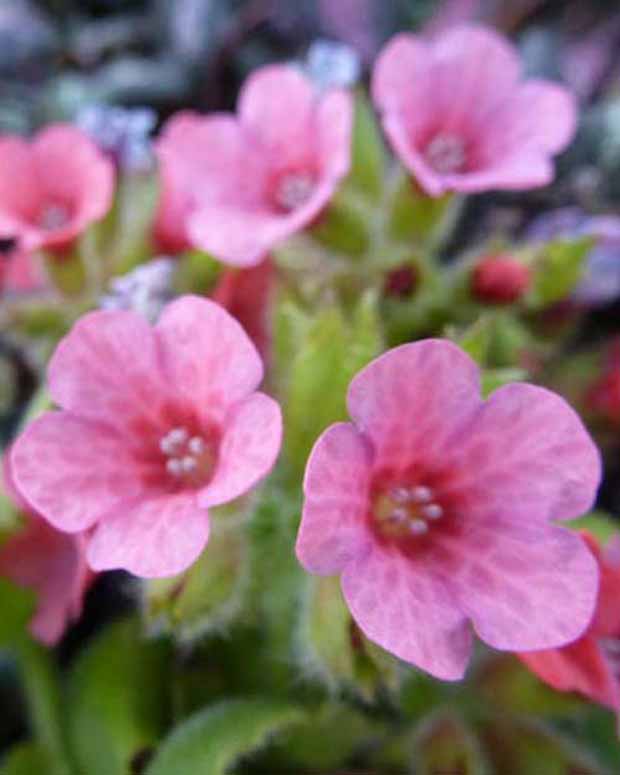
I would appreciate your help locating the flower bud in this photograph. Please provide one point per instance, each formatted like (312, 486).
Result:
(500, 280)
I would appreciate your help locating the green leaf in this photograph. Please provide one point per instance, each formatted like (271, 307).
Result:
(521, 746)
(67, 272)
(324, 635)
(444, 744)
(39, 675)
(558, 270)
(17, 606)
(332, 351)
(602, 526)
(117, 700)
(209, 595)
(31, 759)
(212, 741)
(496, 378)
(416, 216)
(343, 227)
(327, 738)
(368, 154)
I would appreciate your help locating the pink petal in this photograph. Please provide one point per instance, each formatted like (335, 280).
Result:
(539, 116)
(527, 456)
(52, 564)
(152, 538)
(334, 119)
(248, 449)
(108, 368)
(276, 106)
(473, 70)
(243, 237)
(517, 172)
(72, 470)
(412, 400)
(333, 527)
(526, 586)
(206, 355)
(408, 610)
(70, 168)
(19, 196)
(579, 667)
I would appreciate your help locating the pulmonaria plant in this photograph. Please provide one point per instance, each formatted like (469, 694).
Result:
(158, 424)
(50, 563)
(436, 506)
(237, 186)
(590, 665)
(52, 188)
(460, 119)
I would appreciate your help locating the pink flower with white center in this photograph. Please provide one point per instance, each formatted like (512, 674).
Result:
(435, 507)
(49, 562)
(460, 119)
(236, 186)
(53, 187)
(158, 423)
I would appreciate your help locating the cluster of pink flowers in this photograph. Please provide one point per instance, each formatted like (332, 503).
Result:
(436, 508)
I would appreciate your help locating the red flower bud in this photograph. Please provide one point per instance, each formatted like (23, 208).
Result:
(500, 280)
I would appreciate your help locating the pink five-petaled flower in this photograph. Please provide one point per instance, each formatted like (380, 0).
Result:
(236, 186)
(460, 119)
(591, 665)
(49, 562)
(435, 508)
(52, 187)
(157, 425)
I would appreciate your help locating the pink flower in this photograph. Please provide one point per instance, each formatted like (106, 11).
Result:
(246, 294)
(52, 187)
(590, 665)
(157, 425)
(435, 508)
(19, 271)
(460, 119)
(236, 186)
(49, 562)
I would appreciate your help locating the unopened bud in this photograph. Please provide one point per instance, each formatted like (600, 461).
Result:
(500, 280)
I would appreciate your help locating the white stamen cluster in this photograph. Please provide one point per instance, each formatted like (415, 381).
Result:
(415, 508)
(185, 453)
(294, 190)
(445, 153)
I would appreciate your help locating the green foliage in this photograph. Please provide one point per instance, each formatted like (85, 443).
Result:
(601, 525)
(444, 744)
(117, 701)
(212, 741)
(31, 759)
(558, 270)
(414, 216)
(326, 353)
(368, 154)
(17, 606)
(208, 595)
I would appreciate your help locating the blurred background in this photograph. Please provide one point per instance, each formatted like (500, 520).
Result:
(67, 61)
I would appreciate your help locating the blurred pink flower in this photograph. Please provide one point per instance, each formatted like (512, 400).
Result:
(247, 295)
(49, 562)
(52, 187)
(157, 425)
(435, 507)
(590, 665)
(19, 271)
(460, 119)
(236, 186)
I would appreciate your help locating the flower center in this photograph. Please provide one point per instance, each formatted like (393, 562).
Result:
(189, 459)
(407, 511)
(53, 216)
(293, 190)
(445, 153)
